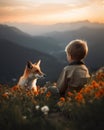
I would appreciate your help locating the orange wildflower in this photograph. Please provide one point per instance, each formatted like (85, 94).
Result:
(48, 94)
(62, 99)
(101, 83)
(70, 94)
(99, 93)
(60, 103)
(82, 90)
(79, 97)
(87, 90)
(14, 88)
(5, 95)
(100, 75)
(42, 90)
(95, 84)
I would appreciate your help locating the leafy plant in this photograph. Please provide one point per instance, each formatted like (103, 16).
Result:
(26, 109)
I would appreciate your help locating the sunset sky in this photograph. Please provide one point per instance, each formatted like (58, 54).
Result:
(51, 11)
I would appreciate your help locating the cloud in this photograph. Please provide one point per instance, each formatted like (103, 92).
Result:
(38, 9)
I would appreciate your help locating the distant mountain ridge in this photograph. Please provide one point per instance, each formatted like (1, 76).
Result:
(33, 29)
(13, 59)
(94, 37)
(51, 47)
(40, 43)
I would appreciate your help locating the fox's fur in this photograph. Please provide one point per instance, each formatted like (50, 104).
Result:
(31, 74)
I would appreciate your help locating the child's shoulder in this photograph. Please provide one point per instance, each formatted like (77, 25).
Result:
(74, 67)
(70, 68)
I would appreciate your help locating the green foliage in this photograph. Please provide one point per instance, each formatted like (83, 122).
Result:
(45, 110)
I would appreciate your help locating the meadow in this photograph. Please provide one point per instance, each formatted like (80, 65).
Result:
(46, 110)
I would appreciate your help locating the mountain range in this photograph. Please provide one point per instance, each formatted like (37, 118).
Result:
(13, 59)
(16, 47)
(41, 43)
(33, 29)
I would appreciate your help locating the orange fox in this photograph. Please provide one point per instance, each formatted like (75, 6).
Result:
(29, 78)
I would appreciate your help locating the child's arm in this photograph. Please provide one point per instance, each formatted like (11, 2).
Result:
(62, 83)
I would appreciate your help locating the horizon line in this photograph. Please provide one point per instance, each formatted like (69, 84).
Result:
(31, 23)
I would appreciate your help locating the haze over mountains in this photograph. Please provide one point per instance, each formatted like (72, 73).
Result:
(16, 47)
(13, 59)
(59, 27)
(41, 43)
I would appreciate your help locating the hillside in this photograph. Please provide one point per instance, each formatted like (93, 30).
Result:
(93, 35)
(95, 39)
(40, 43)
(54, 43)
(13, 59)
(34, 29)
(46, 110)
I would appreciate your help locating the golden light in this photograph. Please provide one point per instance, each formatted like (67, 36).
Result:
(51, 12)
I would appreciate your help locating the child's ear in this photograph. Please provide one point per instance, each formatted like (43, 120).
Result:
(29, 65)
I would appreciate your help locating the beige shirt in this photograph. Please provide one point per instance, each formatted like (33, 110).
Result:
(73, 77)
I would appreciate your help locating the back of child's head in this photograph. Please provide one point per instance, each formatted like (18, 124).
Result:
(77, 49)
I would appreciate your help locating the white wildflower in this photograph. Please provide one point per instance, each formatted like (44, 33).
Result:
(45, 110)
(24, 117)
(37, 107)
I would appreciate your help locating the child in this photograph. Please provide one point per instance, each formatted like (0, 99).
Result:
(76, 74)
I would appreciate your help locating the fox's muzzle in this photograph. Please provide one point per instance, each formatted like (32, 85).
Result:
(40, 76)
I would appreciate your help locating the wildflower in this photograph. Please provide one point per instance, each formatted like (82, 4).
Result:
(14, 88)
(45, 110)
(6, 95)
(70, 94)
(87, 90)
(79, 97)
(48, 94)
(95, 84)
(100, 75)
(42, 90)
(37, 107)
(62, 99)
(24, 117)
(101, 83)
(60, 104)
(99, 93)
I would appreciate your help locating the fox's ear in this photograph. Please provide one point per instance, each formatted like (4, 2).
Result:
(29, 65)
(38, 63)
